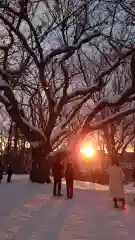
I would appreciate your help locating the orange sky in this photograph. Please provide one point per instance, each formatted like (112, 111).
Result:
(129, 149)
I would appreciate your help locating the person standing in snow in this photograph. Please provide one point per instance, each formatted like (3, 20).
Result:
(116, 183)
(57, 171)
(9, 174)
(69, 176)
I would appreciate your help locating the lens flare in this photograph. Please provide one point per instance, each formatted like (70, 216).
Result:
(87, 150)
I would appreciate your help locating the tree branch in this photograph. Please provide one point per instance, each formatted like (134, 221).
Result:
(24, 16)
(70, 48)
(86, 128)
(99, 82)
(131, 138)
(21, 37)
(31, 133)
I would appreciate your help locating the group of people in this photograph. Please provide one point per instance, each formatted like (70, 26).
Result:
(9, 173)
(58, 173)
(116, 180)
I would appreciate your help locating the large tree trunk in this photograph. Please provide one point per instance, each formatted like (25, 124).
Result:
(40, 166)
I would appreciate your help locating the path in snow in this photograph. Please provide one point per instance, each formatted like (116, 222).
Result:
(29, 212)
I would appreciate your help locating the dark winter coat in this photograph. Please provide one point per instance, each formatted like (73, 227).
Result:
(9, 171)
(57, 170)
(69, 173)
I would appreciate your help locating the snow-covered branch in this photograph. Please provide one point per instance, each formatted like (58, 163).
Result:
(31, 133)
(85, 90)
(117, 100)
(21, 37)
(70, 48)
(74, 112)
(4, 100)
(3, 84)
(86, 128)
(60, 134)
(130, 139)
(99, 80)
(25, 17)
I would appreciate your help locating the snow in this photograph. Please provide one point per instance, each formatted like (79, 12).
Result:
(116, 98)
(57, 131)
(28, 211)
(111, 118)
(3, 83)
(110, 101)
(34, 129)
(83, 90)
(4, 98)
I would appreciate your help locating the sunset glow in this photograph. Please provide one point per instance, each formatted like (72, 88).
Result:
(87, 150)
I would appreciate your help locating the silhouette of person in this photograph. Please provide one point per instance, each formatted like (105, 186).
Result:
(9, 173)
(69, 176)
(57, 172)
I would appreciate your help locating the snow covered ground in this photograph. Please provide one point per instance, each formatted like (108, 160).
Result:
(29, 212)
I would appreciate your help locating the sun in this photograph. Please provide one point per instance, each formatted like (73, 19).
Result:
(87, 150)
